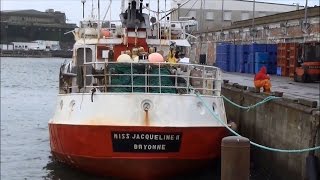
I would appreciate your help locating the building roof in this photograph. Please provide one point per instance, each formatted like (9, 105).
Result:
(280, 17)
(29, 12)
(270, 3)
(261, 2)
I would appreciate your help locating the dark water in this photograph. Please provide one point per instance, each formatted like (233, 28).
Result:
(29, 88)
(28, 96)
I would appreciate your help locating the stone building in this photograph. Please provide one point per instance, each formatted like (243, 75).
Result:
(291, 26)
(30, 25)
(214, 14)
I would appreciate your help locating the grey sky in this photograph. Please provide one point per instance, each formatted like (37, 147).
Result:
(73, 8)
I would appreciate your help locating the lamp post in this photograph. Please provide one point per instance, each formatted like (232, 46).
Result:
(253, 16)
(179, 11)
(83, 1)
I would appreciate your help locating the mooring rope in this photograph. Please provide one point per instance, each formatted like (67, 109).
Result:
(253, 143)
(269, 98)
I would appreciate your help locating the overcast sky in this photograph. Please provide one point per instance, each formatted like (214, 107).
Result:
(73, 8)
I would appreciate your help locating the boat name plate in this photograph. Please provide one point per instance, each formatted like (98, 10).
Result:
(146, 142)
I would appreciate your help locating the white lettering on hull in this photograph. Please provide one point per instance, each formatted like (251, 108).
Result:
(156, 137)
(149, 147)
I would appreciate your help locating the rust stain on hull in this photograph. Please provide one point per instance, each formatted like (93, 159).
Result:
(146, 118)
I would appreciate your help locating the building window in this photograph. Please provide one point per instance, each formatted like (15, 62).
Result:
(260, 14)
(209, 16)
(245, 15)
(192, 14)
(227, 15)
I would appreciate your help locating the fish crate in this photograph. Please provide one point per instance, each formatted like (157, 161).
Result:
(272, 48)
(241, 68)
(282, 61)
(261, 57)
(258, 66)
(291, 72)
(250, 68)
(284, 71)
(282, 53)
(233, 58)
(223, 48)
(223, 65)
(293, 54)
(292, 61)
(254, 47)
(278, 71)
(272, 68)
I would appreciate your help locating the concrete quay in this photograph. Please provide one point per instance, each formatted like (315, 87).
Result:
(290, 89)
(281, 123)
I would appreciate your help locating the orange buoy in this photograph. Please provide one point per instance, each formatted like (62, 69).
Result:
(155, 57)
(124, 58)
(105, 33)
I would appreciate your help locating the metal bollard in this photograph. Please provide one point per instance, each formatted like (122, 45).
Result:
(235, 158)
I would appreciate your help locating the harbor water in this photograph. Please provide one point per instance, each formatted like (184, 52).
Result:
(29, 87)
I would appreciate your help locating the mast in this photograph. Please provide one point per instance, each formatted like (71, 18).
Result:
(83, 1)
(159, 28)
(305, 24)
(99, 23)
(165, 24)
(222, 15)
(92, 9)
(122, 6)
(253, 16)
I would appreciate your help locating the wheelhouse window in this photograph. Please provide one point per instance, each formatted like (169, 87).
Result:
(210, 16)
(245, 15)
(192, 14)
(227, 16)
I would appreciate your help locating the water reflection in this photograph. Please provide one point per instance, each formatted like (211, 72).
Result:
(57, 170)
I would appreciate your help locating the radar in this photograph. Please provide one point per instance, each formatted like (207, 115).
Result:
(153, 20)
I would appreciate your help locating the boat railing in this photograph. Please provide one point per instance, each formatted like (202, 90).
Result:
(143, 77)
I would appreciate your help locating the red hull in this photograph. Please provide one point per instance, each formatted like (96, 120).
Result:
(100, 149)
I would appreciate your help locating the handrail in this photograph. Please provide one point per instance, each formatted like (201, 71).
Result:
(141, 77)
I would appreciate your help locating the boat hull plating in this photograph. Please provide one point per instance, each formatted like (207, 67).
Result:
(136, 152)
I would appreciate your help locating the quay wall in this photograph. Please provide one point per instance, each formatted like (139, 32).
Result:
(36, 53)
(280, 123)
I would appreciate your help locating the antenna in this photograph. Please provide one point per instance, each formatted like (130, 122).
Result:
(122, 6)
(83, 1)
(253, 16)
(222, 15)
(158, 18)
(92, 8)
(99, 23)
(105, 15)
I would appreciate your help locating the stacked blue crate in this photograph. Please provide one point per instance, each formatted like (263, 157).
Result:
(278, 71)
(242, 57)
(251, 59)
(253, 49)
(222, 56)
(261, 59)
(272, 64)
(233, 58)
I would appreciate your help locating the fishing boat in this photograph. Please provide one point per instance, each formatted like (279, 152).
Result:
(123, 111)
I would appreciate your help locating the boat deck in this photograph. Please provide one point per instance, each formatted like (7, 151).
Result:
(309, 91)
